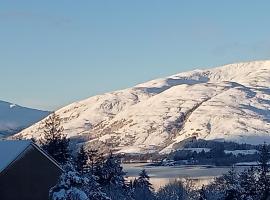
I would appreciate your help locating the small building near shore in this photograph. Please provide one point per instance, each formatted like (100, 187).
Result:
(26, 171)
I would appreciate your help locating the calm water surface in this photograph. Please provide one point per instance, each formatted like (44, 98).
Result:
(162, 175)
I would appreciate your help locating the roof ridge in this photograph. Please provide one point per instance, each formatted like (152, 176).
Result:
(23, 150)
(47, 155)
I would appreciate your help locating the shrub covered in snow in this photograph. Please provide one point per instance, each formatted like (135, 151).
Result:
(74, 186)
(172, 191)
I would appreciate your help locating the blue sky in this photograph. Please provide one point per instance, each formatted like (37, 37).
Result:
(55, 52)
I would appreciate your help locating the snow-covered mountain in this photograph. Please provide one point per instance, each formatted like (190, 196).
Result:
(14, 118)
(231, 102)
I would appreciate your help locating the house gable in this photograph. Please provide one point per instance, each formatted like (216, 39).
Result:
(10, 150)
(30, 177)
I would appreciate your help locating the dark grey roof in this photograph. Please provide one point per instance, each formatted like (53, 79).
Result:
(10, 150)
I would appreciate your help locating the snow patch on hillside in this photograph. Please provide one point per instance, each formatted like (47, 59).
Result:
(231, 102)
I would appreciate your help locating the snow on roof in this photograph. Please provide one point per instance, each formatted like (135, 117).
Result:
(10, 150)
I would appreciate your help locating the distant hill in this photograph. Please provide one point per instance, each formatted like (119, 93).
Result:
(14, 118)
(230, 102)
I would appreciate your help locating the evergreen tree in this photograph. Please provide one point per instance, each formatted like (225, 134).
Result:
(111, 172)
(55, 143)
(231, 185)
(111, 178)
(94, 158)
(70, 186)
(213, 191)
(172, 191)
(226, 187)
(75, 186)
(94, 190)
(248, 183)
(81, 160)
(264, 181)
(217, 151)
(144, 179)
(142, 187)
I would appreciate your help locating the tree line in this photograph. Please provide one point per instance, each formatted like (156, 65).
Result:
(89, 175)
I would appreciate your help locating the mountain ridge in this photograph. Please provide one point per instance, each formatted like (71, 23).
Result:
(230, 102)
(14, 118)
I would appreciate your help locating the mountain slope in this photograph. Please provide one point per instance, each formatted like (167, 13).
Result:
(231, 102)
(14, 118)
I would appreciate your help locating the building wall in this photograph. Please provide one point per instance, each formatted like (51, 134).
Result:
(29, 178)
